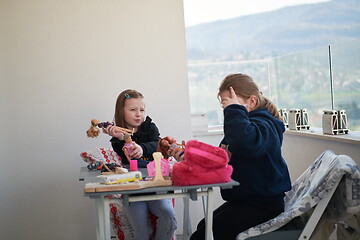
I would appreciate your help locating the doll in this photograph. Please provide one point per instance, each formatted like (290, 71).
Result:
(94, 132)
(168, 143)
(112, 168)
(128, 146)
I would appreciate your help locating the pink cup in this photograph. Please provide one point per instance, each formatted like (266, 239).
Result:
(133, 165)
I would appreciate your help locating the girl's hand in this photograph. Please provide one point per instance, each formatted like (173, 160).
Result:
(230, 99)
(111, 130)
(136, 152)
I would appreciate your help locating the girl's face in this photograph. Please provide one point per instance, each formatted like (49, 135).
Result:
(134, 112)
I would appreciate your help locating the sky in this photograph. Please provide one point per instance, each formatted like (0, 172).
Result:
(201, 11)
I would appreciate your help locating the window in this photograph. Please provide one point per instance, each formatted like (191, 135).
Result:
(204, 79)
(326, 78)
(320, 79)
(317, 79)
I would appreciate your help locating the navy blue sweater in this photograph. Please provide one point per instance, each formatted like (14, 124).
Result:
(254, 140)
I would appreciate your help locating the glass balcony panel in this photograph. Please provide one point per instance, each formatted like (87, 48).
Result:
(346, 78)
(301, 81)
(204, 82)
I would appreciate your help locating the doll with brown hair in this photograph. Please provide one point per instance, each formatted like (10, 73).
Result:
(168, 144)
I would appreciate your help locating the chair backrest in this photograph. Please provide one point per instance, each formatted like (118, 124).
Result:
(313, 184)
(320, 179)
(100, 154)
(321, 176)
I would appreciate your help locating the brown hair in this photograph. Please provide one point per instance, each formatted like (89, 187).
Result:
(120, 103)
(244, 86)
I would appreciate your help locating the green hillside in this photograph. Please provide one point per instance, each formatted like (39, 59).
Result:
(284, 31)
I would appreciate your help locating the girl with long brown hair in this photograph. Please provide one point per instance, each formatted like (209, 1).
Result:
(253, 134)
(130, 113)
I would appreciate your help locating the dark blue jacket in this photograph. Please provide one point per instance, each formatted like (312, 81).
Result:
(254, 140)
(147, 137)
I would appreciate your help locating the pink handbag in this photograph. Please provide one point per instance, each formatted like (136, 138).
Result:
(203, 164)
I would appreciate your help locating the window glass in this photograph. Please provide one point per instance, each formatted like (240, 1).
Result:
(296, 81)
(205, 78)
(301, 81)
(346, 76)
(317, 79)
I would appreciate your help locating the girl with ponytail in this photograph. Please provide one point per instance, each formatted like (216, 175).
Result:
(253, 134)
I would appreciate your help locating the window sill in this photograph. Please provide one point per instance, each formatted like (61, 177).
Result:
(351, 137)
(211, 131)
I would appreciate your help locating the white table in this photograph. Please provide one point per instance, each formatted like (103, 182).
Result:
(153, 193)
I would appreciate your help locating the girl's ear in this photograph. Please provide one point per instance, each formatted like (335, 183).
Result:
(253, 100)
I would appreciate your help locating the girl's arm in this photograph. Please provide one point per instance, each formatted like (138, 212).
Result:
(113, 132)
(243, 136)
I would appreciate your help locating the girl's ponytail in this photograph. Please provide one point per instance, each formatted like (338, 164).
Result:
(271, 107)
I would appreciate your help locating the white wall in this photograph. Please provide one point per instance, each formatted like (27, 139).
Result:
(64, 62)
(300, 151)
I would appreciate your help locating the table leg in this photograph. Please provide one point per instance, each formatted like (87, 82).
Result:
(204, 201)
(103, 218)
(209, 215)
(186, 219)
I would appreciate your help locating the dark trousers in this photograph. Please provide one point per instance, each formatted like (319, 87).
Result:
(230, 219)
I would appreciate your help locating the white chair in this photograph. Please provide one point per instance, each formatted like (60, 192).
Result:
(331, 185)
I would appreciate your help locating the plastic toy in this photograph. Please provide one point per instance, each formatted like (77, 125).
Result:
(167, 143)
(93, 131)
(112, 168)
(165, 168)
(128, 146)
(120, 178)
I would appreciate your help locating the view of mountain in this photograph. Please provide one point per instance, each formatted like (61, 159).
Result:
(270, 34)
